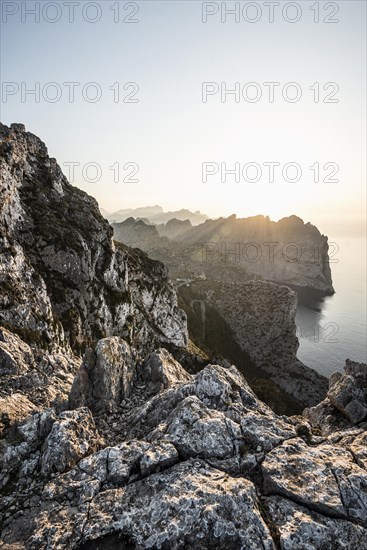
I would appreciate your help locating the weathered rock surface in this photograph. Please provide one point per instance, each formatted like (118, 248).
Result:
(15, 355)
(346, 401)
(31, 379)
(105, 376)
(190, 505)
(72, 437)
(324, 478)
(63, 281)
(348, 393)
(13, 409)
(198, 460)
(300, 528)
(160, 371)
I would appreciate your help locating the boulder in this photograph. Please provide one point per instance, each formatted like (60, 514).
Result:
(14, 409)
(346, 401)
(197, 431)
(161, 371)
(105, 377)
(73, 436)
(348, 393)
(15, 355)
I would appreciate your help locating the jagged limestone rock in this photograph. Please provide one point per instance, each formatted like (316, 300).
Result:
(346, 401)
(109, 467)
(348, 393)
(15, 355)
(38, 377)
(63, 282)
(72, 437)
(203, 460)
(263, 433)
(161, 371)
(16, 457)
(161, 458)
(188, 505)
(13, 409)
(303, 529)
(197, 431)
(324, 478)
(106, 375)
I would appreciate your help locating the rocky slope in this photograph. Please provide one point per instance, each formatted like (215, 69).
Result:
(171, 460)
(63, 280)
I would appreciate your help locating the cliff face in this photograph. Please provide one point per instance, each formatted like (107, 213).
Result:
(260, 321)
(63, 280)
(288, 251)
(135, 233)
(171, 459)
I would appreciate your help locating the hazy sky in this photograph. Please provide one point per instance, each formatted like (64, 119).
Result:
(170, 132)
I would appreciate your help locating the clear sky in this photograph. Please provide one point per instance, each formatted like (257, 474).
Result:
(170, 132)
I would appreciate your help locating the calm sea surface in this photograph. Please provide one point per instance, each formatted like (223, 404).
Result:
(333, 328)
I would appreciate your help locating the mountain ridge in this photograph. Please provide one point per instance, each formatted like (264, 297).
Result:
(155, 214)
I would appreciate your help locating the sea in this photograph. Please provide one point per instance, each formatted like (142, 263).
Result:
(333, 328)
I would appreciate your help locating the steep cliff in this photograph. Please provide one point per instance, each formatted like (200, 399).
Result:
(63, 280)
(289, 251)
(258, 320)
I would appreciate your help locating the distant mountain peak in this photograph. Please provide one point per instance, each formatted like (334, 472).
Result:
(156, 214)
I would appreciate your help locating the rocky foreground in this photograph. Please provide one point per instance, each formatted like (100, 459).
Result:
(146, 455)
